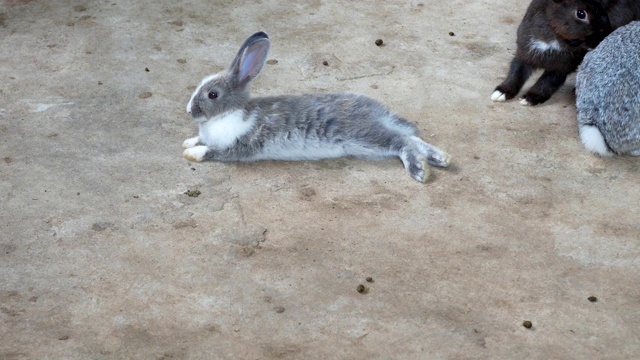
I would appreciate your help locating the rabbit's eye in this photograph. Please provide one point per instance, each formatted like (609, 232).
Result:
(581, 14)
(213, 95)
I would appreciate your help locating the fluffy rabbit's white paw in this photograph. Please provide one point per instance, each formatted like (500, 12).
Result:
(195, 153)
(191, 142)
(498, 96)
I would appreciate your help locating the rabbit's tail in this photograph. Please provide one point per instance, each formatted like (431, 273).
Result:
(594, 141)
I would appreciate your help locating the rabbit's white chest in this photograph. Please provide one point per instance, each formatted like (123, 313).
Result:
(540, 46)
(223, 130)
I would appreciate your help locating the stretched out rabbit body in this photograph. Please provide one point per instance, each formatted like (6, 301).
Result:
(233, 126)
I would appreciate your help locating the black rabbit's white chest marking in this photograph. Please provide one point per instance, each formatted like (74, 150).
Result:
(540, 46)
(220, 132)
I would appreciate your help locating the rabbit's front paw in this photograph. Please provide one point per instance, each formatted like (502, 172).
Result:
(531, 99)
(191, 142)
(498, 96)
(195, 153)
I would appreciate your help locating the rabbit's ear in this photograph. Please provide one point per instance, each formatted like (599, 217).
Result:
(250, 58)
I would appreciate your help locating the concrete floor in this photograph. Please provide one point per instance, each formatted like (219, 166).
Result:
(104, 256)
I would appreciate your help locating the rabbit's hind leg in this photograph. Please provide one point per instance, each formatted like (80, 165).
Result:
(435, 156)
(415, 164)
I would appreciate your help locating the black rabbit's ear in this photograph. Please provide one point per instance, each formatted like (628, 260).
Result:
(250, 58)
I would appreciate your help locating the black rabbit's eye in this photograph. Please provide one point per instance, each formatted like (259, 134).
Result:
(581, 14)
(213, 95)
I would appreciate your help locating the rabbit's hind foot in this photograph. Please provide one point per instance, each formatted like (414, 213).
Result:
(435, 156)
(416, 166)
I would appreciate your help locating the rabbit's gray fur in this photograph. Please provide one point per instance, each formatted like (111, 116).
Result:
(608, 94)
(236, 127)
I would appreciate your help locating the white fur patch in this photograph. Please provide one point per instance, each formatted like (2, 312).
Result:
(543, 46)
(524, 102)
(299, 150)
(191, 142)
(223, 130)
(593, 140)
(498, 96)
(197, 91)
(195, 153)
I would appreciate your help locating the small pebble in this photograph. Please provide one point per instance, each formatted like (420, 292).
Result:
(451, 33)
(146, 69)
(325, 63)
(182, 61)
(64, 337)
(527, 324)
(145, 95)
(369, 279)
(362, 289)
(279, 309)
(592, 298)
(272, 62)
(379, 42)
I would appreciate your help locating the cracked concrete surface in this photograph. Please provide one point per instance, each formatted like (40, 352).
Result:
(104, 254)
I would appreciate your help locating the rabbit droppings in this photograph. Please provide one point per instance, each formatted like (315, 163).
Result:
(608, 94)
(555, 35)
(236, 127)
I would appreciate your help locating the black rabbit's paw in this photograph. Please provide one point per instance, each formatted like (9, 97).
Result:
(498, 96)
(531, 99)
(502, 94)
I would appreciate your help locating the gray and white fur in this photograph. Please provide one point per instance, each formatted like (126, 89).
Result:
(233, 126)
(608, 94)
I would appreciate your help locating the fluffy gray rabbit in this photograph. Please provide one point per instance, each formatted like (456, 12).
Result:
(608, 94)
(236, 127)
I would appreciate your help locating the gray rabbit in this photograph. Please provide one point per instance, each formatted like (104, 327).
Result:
(236, 127)
(608, 94)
